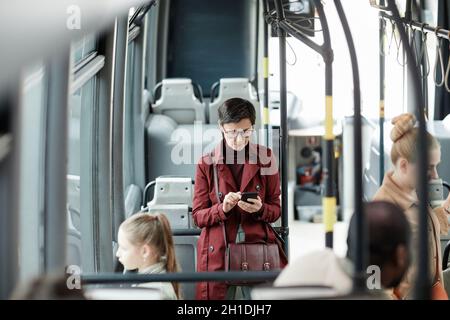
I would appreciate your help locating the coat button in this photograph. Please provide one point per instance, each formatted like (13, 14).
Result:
(211, 248)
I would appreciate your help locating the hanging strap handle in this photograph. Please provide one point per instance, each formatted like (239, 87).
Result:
(439, 60)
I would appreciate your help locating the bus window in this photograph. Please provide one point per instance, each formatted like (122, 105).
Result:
(80, 104)
(31, 175)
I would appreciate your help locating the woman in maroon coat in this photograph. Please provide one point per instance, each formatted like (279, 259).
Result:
(241, 167)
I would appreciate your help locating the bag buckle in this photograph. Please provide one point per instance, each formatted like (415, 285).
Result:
(244, 266)
(266, 266)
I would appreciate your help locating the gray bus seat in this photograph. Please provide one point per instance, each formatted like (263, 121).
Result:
(233, 88)
(186, 252)
(317, 274)
(147, 101)
(174, 149)
(133, 199)
(173, 197)
(293, 292)
(117, 293)
(179, 102)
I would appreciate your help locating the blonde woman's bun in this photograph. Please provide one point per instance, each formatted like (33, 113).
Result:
(402, 124)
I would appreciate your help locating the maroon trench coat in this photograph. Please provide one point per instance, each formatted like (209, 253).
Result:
(260, 174)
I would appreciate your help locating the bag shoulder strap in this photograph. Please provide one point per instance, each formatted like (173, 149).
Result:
(216, 191)
(216, 180)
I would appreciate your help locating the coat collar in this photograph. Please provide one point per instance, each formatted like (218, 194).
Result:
(155, 268)
(403, 199)
(251, 167)
(219, 158)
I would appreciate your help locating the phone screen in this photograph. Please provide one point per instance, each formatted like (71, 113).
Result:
(249, 195)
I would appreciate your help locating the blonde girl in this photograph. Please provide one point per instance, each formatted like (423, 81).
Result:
(146, 244)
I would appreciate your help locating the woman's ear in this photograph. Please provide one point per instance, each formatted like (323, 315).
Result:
(146, 251)
(403, 165)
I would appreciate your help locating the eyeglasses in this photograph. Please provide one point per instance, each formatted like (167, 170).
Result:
(232, 134)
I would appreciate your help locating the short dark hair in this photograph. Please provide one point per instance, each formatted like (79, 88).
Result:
(235, 109)
(387, 229)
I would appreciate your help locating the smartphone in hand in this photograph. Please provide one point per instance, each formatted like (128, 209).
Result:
(249, 195)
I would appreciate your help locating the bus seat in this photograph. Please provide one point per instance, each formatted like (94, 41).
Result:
(233, 88)
(318, 268)
(118, 293)
(132, 200)
(173, 190)
(173, 197)
(306, 292)
(175, 149)
(186, 252)
(179, 102)
(147, 101)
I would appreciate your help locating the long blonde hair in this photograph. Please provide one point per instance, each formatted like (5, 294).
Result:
(154, 230)
(404, 135)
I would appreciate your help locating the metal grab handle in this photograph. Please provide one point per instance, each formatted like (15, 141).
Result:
(197, 87)
(157, 87)
(214, 91)
(446, 184)
(145, 195)
(438, 60)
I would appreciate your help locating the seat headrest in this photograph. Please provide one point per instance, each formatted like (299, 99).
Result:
(179, 102)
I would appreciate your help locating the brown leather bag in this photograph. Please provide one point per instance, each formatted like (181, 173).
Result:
(252, 257)
(249, 256)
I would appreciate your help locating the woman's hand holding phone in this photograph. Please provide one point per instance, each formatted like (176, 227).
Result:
(251, 206)
(230, 200)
